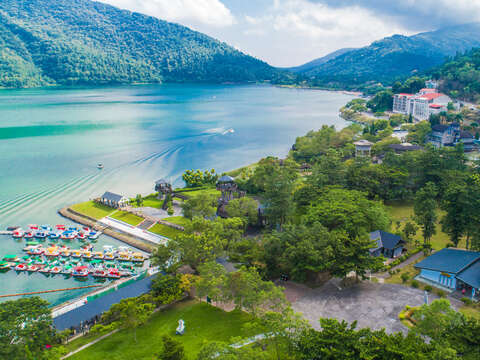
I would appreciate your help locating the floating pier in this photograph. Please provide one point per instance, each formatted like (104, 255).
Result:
(49, 291)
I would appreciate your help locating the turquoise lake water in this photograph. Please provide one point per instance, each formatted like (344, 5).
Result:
(51, 141)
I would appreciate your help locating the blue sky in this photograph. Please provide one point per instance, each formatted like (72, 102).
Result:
(292, 32)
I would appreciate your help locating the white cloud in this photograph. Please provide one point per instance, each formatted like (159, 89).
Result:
(189, 12)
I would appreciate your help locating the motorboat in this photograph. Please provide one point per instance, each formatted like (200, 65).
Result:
(56, 270)
(87, 254)
(54, 235)
(72, 228)
(33, 268)
(81, 236)
(33, 227)
(98, 255)
(76, 253)
(137, 257)
(100, 166)
(28, 235)
(40, 234)
(114, 273)
(80, 271)
(123, 256)
(60, 227)
(37, 250)
(13, 228)
(52, 251)
(65, 252)
(99, 273)
(46, 228)
(45, 270)
(21, 267)
(5, 266)
(68, 235)
(93, 235)
(11, 258)
(18, 233)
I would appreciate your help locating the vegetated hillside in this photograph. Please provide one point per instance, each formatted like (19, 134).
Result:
(460, 76)
(84, 42)
(396, 57)
(320, 61)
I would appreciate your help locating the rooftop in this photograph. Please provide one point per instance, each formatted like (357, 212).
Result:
(405, 147)
(112, 196)
(385, 239)
(471, 275)
(430, 96)
(226, 179)
(362, 143)
(449, 260)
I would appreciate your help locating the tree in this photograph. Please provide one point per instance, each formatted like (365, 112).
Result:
(456, 201)
(172, 349)
(244, 208)
(425, 209)
(139, 200)
(167, 288)
(196, 178)
(212, 281)
(129, 314)
(202, 205)
(409, 230)
(25, 329)
(382, 101)
(348, 210)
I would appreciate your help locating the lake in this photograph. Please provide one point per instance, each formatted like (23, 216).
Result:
(51, 141)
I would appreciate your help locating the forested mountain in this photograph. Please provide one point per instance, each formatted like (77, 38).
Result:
(320, 61)
(396, 56)
(84, 42)
(460, 76)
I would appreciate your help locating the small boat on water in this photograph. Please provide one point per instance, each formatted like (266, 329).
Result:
(81, 236)
(67, 270)
(137, 257)
(18, 233)
(68, 235)
(33, 227)
(123, 256)
(65, 252)
(52, 251)
(76, 253)
(21, 267)
(33, 267)
(46, 228)
(114, 273)
(99, 273)
(28, 235)
(100, 166)
(40, 234)
(109, 256)
(93, 235)
(73, 228)
(36, 250)
(98, 255)
(45, 269)
(87, 254)
(56, 270)
(54, 235)
(11, 258)
(5, 266)
(80, 271)
(13, 228)
(60, 227)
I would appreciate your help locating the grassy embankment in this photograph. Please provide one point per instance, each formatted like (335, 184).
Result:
(203, 323)
(99, 211)
(165, 230)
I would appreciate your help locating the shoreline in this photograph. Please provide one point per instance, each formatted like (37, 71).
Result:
(70, 214)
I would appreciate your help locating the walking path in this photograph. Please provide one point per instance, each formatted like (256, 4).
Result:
(410, 260)
(132, 230)
(89, 344)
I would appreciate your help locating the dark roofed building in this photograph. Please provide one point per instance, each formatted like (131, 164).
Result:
(452, 269)
(401, 148)
(386, 244)
(113, 200)
(451, 135)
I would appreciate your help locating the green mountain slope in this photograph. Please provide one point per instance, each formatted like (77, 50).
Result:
(396, 56)
(320, 61)
(84, 42)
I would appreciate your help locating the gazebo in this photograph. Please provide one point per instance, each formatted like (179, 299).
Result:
(363, 147)
(226, 184)
(163, 187)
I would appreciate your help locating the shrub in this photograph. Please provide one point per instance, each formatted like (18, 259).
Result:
(374, 279)
(441, 293)
(415, 284)
(466, 301)
(404, 277)
(428, 288)
(398, 271)
(390, 272)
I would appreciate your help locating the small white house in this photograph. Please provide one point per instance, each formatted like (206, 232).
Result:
(113, 200)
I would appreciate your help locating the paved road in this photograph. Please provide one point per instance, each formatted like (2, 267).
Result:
(370, 304)
(134, 231)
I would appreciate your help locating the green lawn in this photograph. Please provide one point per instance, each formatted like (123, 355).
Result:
(203, 323)
(149, 201)
(409, 269)
(178, 220)
(191, 192)
(403, 211)
(128, 218)
(92, 209)
(165, 230)
(472, 311)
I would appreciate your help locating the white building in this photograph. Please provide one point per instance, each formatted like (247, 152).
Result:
(420, 105)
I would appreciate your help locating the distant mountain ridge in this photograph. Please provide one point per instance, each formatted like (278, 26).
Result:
(320, 61)
(396, 56)
(70, 42)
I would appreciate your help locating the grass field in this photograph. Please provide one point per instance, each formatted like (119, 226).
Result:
(178, 220)
(403, 211)
(92, 209)
(165, 230)
(192, 192)
(472, 311)
(126, 217)
(203, 323)
(149, 201)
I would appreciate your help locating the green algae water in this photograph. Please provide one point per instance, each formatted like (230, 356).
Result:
(51, 141)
